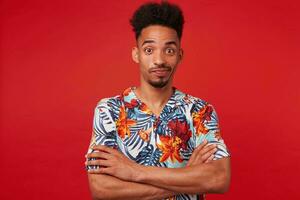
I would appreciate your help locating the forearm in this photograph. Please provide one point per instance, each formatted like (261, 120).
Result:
(110, 188)
(212, 177)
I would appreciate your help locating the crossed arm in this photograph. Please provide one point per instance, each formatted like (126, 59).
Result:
(118, 177)
(108, 187)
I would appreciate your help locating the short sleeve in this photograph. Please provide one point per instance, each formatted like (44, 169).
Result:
(206, 126)
(104, 129)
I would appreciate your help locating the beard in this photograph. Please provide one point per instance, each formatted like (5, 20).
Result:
(162, 81)
(158, 84)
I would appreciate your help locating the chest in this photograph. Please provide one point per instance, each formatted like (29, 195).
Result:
(165, 141)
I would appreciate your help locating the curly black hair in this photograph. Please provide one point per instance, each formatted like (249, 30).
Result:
(164, 13)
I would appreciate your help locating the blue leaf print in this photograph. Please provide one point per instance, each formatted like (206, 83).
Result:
(147, 156)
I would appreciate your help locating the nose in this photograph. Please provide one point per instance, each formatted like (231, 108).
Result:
(158, 58)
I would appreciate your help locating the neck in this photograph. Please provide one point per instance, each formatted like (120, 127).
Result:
(156, 97)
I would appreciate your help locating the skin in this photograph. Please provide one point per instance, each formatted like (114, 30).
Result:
(158, 53)
(108, 186)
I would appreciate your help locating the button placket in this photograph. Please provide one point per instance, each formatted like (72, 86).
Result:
(155, 121)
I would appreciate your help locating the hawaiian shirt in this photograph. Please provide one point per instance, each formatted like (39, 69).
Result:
(126, 123)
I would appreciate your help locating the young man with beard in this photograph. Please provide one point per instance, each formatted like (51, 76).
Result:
(154, 141)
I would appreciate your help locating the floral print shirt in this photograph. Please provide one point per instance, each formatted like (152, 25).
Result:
(126, 123)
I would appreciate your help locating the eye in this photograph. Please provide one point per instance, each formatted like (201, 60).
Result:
(170, 51)
(148, 50)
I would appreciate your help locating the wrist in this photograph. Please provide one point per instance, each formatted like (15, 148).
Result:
(139, 174)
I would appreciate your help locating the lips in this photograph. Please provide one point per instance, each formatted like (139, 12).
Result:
(161, 72)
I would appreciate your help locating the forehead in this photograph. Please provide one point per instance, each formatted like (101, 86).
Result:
(158, 34)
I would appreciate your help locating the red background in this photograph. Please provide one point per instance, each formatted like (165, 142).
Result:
(58, 58)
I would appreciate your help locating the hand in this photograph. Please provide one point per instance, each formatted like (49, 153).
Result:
(204, 153)
(112, 162)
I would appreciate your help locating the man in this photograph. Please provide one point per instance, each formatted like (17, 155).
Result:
(154, 141)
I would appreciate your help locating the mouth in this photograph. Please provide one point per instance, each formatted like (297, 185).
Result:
(161, 72)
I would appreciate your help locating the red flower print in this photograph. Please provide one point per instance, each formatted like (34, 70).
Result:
(144, 108)
(133, 103)
(180, 130)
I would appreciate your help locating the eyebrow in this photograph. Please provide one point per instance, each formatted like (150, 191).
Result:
(149, 41)
(171, 42)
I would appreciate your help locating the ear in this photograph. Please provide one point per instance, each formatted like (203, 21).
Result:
(180, 55)
(135, 54)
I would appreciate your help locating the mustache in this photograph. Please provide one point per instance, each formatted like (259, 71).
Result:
(160, 67)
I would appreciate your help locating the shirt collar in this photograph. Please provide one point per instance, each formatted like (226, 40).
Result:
(131, 100)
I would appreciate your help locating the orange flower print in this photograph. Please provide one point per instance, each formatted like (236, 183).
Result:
(170, 147)
(127, 91)
(199, 117)
(200, 128)
(144, 108)
(123, 124)
(145, 134)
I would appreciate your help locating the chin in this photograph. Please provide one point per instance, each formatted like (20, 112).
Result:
(159, 84)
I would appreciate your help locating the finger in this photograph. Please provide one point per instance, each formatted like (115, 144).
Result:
(193, 156)
(102, 163)
(210, 159)
(208, 154)
(104, 148)
(106, 170)
(195, 152)
(99, 154)
(201, 145)
(198, 155)
(94, 171)
(191, 160)
(101, 170)
(207, 148)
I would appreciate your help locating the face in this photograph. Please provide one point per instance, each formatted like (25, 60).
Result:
(158, 53)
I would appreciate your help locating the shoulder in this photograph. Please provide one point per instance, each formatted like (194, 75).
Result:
(106, 109)
(109, 101)
(190, 100)
(109, 104)
(196, 104)
(114, 102)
